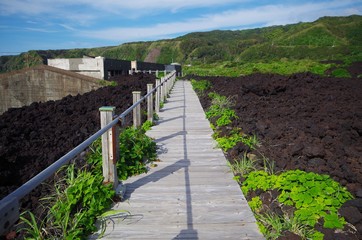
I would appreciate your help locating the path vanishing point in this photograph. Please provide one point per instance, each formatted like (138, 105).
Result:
(191, 193)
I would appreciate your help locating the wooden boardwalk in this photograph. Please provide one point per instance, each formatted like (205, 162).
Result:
(191, 194)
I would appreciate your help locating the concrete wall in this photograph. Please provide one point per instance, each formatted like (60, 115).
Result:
(145, 66)
(116, 67)
(92, 67)
(41, 84)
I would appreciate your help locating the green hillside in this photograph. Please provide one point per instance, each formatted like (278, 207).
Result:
(328, 38)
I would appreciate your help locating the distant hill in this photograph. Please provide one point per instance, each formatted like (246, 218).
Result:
(328, 38)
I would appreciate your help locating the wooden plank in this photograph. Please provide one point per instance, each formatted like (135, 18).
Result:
(191, 193)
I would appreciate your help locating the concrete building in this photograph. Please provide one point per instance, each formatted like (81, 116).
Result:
(98, 67)
(104, 68)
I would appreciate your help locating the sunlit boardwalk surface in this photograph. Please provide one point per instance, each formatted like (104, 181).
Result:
(191, 193)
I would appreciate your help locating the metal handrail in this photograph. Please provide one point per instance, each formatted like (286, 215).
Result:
(9, 205)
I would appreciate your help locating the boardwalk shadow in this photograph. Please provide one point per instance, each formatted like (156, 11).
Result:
(168, 120)
(154, 177)
(187, 234)
(162, 139)
(168, 109)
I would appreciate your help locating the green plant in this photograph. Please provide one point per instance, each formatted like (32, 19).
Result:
(273, 226)
(147, 126)
(258, 180)
(162, 104)
(76, 208)
(341, 73)
(226, 143)
(255, 204)
(108, 83)
(200, 86)
(243, 166)
(220, 109)
(94, 156)
(221, 101)
(136, 149)
(155, 117)
(251, 141)
(110, 215)
(269, 166)
(34, 229)
(314, 196)
(236, 136)
(79, 197)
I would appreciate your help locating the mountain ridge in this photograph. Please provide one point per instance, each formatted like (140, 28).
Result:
(328, 38)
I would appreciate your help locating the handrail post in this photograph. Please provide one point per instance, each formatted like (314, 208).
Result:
(171, 81)
(137, 109)
(150, 103)
(158, 90)
(110, 147)
(164, 89)
(174, 79)
(162, 98)
(167, 87)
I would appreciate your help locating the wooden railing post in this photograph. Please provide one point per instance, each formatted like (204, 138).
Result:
(170, 85)
(136, 110)
(157, 100)
(167, 84)
(156, 73)
(167, 87)
(162, 92)
(150, 103)
(171, 82)
(173, 79)
(110, 147)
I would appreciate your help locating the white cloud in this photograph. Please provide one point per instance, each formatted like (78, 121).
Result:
(31, 22)
(149, 6)
(9, 7)
(47, 9)
(265, 15)
(40, 30)
(33, 7)
(67, 27)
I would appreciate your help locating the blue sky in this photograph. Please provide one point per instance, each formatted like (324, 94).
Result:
(64, 24)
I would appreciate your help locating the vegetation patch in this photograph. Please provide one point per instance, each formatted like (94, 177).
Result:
(136, 150)
(282, 66)
(341, 72)
(220, 110)
(81, 196)
(313, 198)
(200, 86)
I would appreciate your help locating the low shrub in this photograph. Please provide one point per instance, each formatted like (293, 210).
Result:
(313, 196)
(200, 86)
